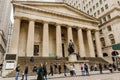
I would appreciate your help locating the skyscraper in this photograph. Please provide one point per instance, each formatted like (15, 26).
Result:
(5, 25)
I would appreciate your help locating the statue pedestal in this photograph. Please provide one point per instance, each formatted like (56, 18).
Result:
(72, 58)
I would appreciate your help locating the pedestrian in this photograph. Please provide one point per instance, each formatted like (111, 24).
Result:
(59, 68)
(40, 73)
(82, 69)
(74, 73)
(100, 68)
(51, 70)
(35, 68)
(110, 67)
(86, 69)
(45, 71)
(114, 66)
(26, 73)
(55, 68)
(17, 72)
(22, 76)
(65, 68)
(71, 69)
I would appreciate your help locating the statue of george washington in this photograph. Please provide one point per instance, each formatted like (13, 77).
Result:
(71, 47)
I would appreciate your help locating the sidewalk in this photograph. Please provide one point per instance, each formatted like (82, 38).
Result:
(60, 75)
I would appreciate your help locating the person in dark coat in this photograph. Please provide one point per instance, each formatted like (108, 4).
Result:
(45, 70)
(40, 73)
(55, 68)
(59, 68)
(65, 68)
(86, 69)
(26, 72)
(17, 72)
(51, 70)
(100, 68)
(35, 68)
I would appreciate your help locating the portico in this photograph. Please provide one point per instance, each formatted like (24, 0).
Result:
(43, 30)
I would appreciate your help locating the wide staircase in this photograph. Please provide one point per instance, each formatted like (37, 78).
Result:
(30, 62)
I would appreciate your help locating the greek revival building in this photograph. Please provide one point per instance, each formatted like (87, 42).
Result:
(44, 29)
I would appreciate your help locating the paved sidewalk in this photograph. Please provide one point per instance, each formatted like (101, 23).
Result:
(60, 75)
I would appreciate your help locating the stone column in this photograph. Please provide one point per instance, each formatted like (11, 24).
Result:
(58, 41)
(98, 44)
(45, 48)
(81, 43)
(30, 39)
(15, 36)
(70, 35)
(90, 44)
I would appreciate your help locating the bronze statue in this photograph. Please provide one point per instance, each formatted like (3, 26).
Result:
(71, 47)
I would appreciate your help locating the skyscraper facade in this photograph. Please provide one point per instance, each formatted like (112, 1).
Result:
(5, 25)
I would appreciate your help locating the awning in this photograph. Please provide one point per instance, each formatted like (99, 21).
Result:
(116, 46)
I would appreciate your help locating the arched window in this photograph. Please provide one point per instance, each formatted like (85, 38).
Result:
(102, 41)
(111, 37)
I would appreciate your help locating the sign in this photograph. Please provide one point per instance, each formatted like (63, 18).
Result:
(10, 65)
(116, 46)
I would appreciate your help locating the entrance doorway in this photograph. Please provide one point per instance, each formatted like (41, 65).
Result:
(63, 50)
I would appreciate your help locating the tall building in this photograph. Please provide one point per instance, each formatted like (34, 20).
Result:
(44, 29)
(5, 26)
(108, 13)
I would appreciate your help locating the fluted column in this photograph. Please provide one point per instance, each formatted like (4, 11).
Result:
(58, 41)
(81, 43)
(45, 48)
(90, 44)
(70, 35)
(98, 44)
(30, 39)
(15, 36)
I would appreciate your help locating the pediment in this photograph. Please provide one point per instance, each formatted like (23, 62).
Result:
(59, 8)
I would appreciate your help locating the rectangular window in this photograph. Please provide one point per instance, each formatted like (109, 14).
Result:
(104, 19)
(102, 9)
(98, 12)
(97, 5)
(95, 14)
(93, 7)
(108, 16)
(106, 6)
(109, 28)
(100, 1)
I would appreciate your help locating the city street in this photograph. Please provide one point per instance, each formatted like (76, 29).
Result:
(93, 76)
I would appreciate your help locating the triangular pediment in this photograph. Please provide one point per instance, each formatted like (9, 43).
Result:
(59, 8)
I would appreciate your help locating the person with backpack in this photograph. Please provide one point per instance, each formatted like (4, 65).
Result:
(86, 69)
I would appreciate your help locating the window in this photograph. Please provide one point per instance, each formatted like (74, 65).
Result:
(109, 28)
(118, 3)
(98, 12)
(102, 41)
(90, 9)
(111, 37)
(93, 7)
(102, 9)
(95, 14)
(101, 32)
(97, 5)
(108, 16)
(88, 12)
(100, 1)
(106, 6)
(104, 19)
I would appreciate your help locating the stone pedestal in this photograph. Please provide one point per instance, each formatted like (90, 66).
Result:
(72, 58)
